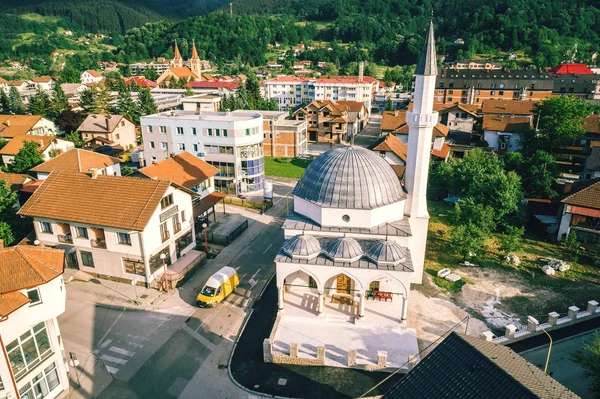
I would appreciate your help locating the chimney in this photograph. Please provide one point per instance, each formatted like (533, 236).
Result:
(1, 243)
(107, 119)
(93, 172)
(568, 187)
(7, 122)
(361, 71)
(41, 143)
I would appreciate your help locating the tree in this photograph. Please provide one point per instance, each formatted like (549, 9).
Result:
(127, 107)
(147, 105)
(4, 108)
(15, 103)
(58, 103)
(27, 157)
(589, 359)
(76, 138)
(188, 91)
(255, 100)
(8, 213)
(86, 101)
(68, 121)
(133, 86)
(560, 122)
(512, 240)
(466, 240)
(151, 74)
(101, 104)
(389, 106)
(468, 212)
(537, 172)
(39, 103)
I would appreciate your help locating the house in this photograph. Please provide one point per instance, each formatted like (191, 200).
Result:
(115, 129)
(475, 368)
(32, 125)
(358, 116)
(68, 33)
(459, 41)
(4, 86)
(274, 65)
(134, 221)
(79, 161)
(283, 138)
(33, 295)
(394, 122)
(230, 141)
(505, 133)
(298, 66)
(508, 108)
(48, 146)
(457, 117)
(580, 212)
(140, 81)
(91, 77)
(22, 86)
(327, 121)
(73, 91)
(192, 173)
(45, 83)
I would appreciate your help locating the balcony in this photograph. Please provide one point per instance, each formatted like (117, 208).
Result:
(97, 238)
(165, 236)
(64, 233)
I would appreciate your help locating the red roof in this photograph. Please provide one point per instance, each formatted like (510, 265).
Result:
(572, 69)
(213, 85)
(140, 81)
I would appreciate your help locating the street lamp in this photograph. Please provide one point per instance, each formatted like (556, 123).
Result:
(537, 323)
(163, 257)
(204, 226)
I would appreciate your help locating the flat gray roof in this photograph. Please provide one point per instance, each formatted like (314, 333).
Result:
(208, 115)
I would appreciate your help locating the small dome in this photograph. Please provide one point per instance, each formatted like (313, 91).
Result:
(386, 253)
(349, 178)
(302, 247)
(344, 249)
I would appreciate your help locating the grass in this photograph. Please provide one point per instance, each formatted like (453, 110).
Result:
(285, 167)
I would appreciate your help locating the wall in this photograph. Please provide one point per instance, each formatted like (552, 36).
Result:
(463, 125)
(126, 135)
(61, 146)
(514, 140)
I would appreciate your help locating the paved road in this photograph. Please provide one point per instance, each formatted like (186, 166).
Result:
(369, 133)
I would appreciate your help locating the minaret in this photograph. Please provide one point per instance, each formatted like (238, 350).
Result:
(195, 65)
(421, 121)
(177, 61)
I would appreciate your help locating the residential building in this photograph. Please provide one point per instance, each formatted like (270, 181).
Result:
(230, 141)
(91, 77)
(291, 91)
(73, 91)
(48, 146)
(457, 117)
(33, 295)
(16, 182)
(327, 121)
(508, 108)
(202, 102)
(395, 122)
(134, 221)
(475, 368)
(590, 144)
(283, 138)
(192, 173)
(580, 212)
(473, 64)
(571, 69)
(210, 87)
(358, 116)
(505, 133)
(114, 129)
(79, 161)
(32, 125)
(141, 67)
(45, 83)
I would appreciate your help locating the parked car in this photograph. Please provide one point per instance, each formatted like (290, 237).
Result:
(218, 287)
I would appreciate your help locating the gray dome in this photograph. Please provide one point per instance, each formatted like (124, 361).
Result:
(344, 249)
(386, 253)
(302, 247)
(351, 178)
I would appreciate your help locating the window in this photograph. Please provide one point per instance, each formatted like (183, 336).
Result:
(117, 136)
(179, 130)
(492, 92)
(42, 384)
(124, 238)
(346, 218)
(195, 147)
(149, 129)
(122, 123)
(224, 132)
(194, 131)
(166, 201)
(311, 282)
(46, 227)
(183, 216)
(210, 132)
(152, 144)
(81, 232)
(493, 85)
(164, 232)
(34, 295)
(501, 92)
(218, 132)
(450, 91)
(451, 85)
(181, 147)
(163, 129)
(247, 132)
(134, 266)
(176, 224)
(27, 351)
(87, 259)
(164, 145)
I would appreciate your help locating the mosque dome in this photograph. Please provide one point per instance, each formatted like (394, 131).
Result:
(344, 249)
(349, 178)
(302, 247)
(385, 252)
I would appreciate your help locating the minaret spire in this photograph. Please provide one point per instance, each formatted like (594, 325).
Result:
(427, 64)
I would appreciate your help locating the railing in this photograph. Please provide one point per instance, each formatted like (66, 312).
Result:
(99, 243)
(176, 228)
(65, 238)
(227, 239)
(165, 237)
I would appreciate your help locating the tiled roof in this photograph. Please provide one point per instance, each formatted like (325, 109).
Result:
(15, 125)
(184, 169)
(140, 81)
(76, 160)
(114, 201)
(183, 72)
(96, 123)
(443, 152)
(43, 79)
(579, 69)
(591, 124)
(3, 80)
(11, 302)
(508, 107)
(353, 106)
(212, 85)
(14, 180)
(392, 120)
(467, 367)
(28, 266)
(94, 73)
(16, 143)
(499, 123)
(391, 143)
(439, 130)
(588, 197)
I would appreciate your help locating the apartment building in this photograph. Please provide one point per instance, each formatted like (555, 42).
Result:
(115, 227)
(114, 129)
(202, 102)
(230, 141)
(291, 91)
(141, 67)
(33, 295)
(283, 138)
(327, 121)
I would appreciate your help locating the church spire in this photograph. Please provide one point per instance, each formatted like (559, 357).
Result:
(427, 64)
(177, 53)
(176, 62)
(194, 51)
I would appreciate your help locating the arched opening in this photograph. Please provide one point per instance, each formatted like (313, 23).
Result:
(386, 298)
(341, 298)
(300, 293)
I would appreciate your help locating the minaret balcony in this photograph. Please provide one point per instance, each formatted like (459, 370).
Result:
(422, 120)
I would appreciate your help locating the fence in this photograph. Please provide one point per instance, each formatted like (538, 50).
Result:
(260, 206)
(222, 239)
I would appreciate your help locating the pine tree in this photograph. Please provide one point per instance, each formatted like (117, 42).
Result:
(3, 102)
(147, 106)
(241, 98)
(188, 91)
(151, 74)
(101, 104)
(127, 107)
(133, 87)
(255, 100)
(58, 103)
(39, 104)
(15, 104)
(86, 101)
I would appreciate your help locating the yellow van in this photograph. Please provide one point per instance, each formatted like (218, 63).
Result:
(218, 286)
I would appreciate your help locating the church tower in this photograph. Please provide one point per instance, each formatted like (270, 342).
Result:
(421, 121)
(177, 61)
(195, 64)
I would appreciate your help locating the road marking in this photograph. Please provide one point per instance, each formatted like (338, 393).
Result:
(104, 344)
(120, 351)
(111, 370)
(198, 337)
(243, 275)
(254, 275)
(267, 249)
(252, 282)
(246, 303)
(113, 359)
(112, 325)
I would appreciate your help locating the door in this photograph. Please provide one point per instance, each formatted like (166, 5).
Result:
(343, 284)
(312, 135)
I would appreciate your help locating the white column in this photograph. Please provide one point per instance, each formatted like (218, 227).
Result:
(320, 304)
(404, 306)
(280, 298)
(361, 306)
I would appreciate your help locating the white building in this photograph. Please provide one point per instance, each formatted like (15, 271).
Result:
(115, 226)
(91, 76)
(354, 234)
(290, 91)
(33, 296)
(141, 67)
(230, 141)
(48, 146)
(33, 125)
(202, 102)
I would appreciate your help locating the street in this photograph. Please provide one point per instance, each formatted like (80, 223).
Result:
(178, 350)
